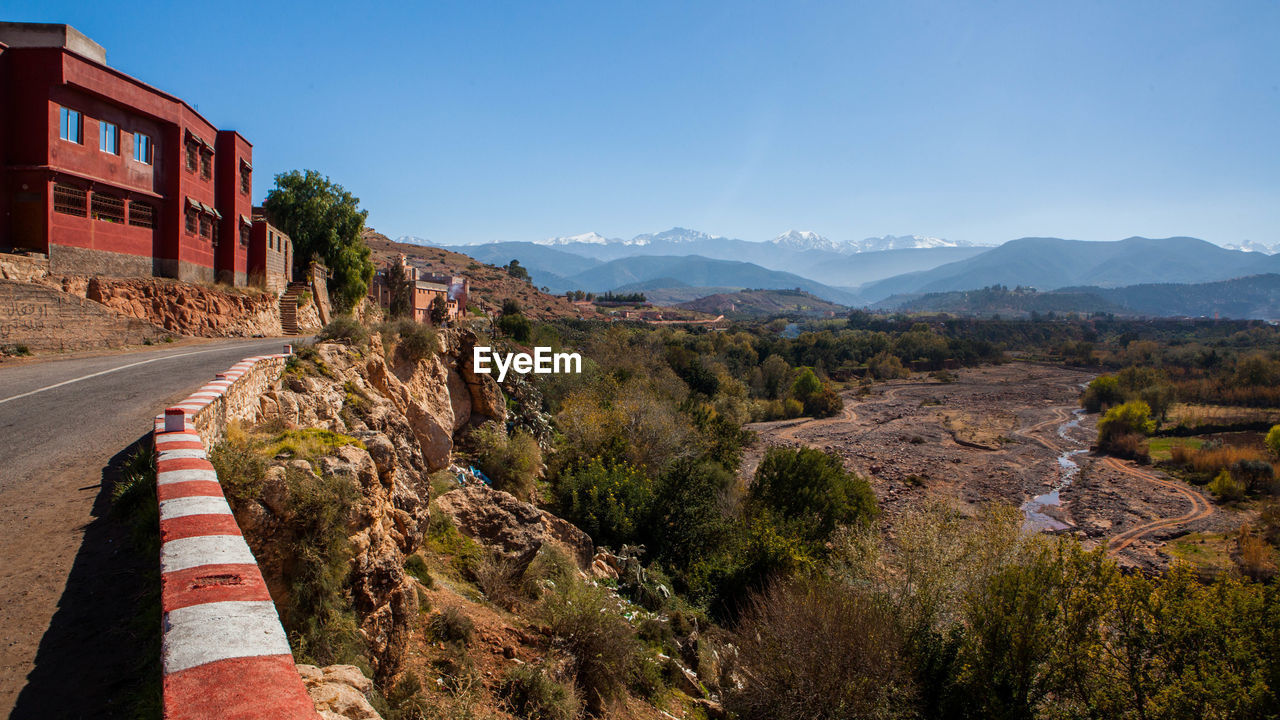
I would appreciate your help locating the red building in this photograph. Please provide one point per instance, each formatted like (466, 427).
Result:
(110, 176)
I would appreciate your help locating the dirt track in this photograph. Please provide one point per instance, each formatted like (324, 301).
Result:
(996, 434)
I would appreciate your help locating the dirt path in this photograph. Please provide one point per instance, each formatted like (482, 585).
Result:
(1200, 508)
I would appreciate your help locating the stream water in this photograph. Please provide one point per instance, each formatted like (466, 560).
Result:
(1034, 516)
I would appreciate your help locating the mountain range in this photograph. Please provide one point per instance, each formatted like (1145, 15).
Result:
(682, 264)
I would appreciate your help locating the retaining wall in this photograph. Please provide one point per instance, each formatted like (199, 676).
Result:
(224, 652)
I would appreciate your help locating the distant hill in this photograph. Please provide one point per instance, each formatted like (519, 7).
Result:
(764, 303)
(1000, 300)
(692, 270)
(806, 254)
(1051, 263)
(1253, 297)
(489, 285)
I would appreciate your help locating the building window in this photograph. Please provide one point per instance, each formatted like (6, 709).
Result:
(70, 200)
(70, 125)
(142, 150)
(214, 236)
(108, 137)
(206, 227)
(206, 165)
(246, 181)
(245, 229)
(108, 208)
(193, 221)
(193, 155)
(142, 215)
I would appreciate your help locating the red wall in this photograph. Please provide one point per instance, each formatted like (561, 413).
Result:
(36, 82)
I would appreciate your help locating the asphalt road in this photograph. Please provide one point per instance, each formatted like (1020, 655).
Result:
(72, 587)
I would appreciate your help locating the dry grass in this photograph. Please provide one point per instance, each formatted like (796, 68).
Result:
(1211, 461)
(1257, 558)
(1193, 416)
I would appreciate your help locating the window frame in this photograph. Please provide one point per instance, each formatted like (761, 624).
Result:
(108, 135)
(206, 164)
(143, 148)
(65, 127)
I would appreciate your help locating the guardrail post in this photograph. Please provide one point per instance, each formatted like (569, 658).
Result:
(288, 349)
(175, 420)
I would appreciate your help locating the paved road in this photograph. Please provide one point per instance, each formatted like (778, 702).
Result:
(70, 585)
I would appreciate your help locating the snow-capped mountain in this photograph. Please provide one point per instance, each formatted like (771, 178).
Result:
(1252, 246)
(674, 235)
(805, 240)
(904, 242)
(590, 238)
(415, 240)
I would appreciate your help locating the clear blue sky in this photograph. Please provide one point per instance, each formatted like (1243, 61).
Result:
(984, 121)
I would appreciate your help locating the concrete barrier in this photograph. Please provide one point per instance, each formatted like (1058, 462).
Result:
(224, 652)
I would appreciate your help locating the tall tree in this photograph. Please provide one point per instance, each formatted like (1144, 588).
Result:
(324, 221)
(400, 288)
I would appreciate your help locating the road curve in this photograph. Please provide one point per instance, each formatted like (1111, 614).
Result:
(69, 592)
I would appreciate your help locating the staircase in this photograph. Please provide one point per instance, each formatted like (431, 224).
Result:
(289, 307)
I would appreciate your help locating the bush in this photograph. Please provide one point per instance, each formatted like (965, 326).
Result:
(516, 326)
(603, 651)
(241, 466)
(500, 578)
(533, 694)
(1133, 417)
(1273, 440)
(417, 569)
(811, 491)
(611, 501)
(452, 626)
(819, 650)
(1226, 488)
(417, 341)
(1102, 393)
(1129, 445)
(318, 614)
(885, 366)
(344, 329)
(825, 403)
(512, 463)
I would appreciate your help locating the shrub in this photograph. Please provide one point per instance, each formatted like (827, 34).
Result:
(1258, 476)
(602, 649)
(611, 501)
(824, 403)
(516, 326)
(417, 341)
(512, 463)
(1133, 417)
(1102, 393)
(1255, 557)
(1273, 440)
(533, 694)
(1129, 445)
(240, 464)
(344, 329)
(792, 408)
(133, 497)
(549, 568)
(451, 625)
(500, 578)
(405, 700)
(885, 366)
(417, 569)
(819, 650)
(812, 491)
(1226, 488)
(318, 612)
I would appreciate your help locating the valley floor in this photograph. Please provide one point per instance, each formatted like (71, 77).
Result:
(1005, 433)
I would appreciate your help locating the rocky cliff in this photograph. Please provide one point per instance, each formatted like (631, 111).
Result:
(182, 307)
(402, 415)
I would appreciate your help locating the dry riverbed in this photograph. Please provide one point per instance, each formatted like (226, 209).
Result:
(1006, 433)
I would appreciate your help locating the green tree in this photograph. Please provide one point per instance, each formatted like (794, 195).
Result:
(517, 271)
(811, 492)
(400, 289)
(324, 221)
(439, 310)
(1102, 392)
(806, 385)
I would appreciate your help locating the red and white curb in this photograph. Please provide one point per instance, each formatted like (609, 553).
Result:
(224, 652)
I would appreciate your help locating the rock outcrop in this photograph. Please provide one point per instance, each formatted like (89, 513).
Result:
(404, 416)
(513, 528)
(183, 307)
(340, 692)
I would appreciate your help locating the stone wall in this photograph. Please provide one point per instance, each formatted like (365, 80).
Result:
(23, 268)
(68, 260)
(184, 308)
(45, 319)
